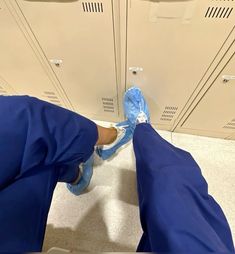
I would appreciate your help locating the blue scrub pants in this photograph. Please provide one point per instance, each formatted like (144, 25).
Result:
(40, 144)
(177, 213)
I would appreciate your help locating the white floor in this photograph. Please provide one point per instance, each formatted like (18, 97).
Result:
(106, 218)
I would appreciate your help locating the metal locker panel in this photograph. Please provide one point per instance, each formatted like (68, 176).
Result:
(5, 88)
(173, 43)
(207, 133)
(80, 35)
(215, 111)
(232, 137)
(19, 64)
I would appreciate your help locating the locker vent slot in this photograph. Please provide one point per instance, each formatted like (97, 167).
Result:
(2, 91)
(168, 113)
(92, 7)
(51, 97)
(230, 125)
(218, 12)
(108, 104)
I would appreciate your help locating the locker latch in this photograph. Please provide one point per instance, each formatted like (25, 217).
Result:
(227, 78)
(135, 70)
(56, 62)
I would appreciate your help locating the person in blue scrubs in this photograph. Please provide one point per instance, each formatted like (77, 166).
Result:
(177, 214)
(41, 144)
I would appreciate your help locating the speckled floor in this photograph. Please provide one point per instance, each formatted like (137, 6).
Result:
(106, 218)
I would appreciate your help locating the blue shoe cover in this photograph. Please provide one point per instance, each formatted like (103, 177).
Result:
(107, 153)
(84, 181)
(134, 104)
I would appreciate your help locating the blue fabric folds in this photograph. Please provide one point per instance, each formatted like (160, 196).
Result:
(40, 144)
(177, 213)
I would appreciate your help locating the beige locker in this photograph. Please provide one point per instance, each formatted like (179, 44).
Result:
(172, 44)
(232, 137)
(19, 64)
(5, 88)
(79, 36)
(214, 115)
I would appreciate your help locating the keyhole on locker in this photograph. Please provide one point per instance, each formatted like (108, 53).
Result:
(135, 70)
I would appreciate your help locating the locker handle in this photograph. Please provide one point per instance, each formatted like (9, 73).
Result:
(56, 62)
(135, 70)
(227, 78)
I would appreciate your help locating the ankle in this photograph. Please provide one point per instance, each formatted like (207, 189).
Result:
(113, 135)
(106, 135)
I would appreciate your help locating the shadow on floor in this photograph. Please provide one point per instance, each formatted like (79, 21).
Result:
(90, 235)
(127, 191)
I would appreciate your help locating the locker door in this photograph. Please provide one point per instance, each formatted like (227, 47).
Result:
(215, 113)
(19, 64)
(80, 35)
(231, 137)
(174, 43)
(5, 88)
